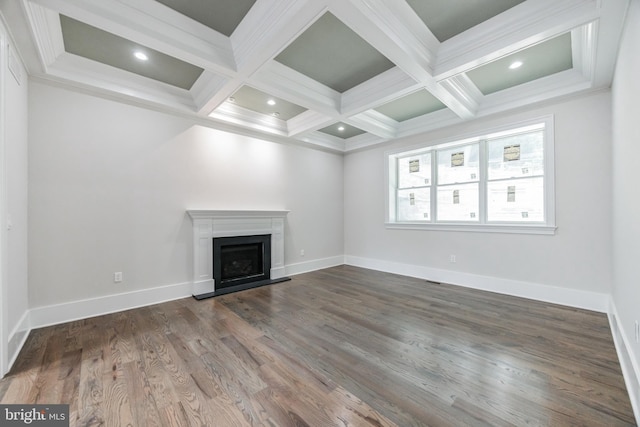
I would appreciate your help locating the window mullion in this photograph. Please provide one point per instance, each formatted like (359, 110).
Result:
(434, 186)
(482, 184)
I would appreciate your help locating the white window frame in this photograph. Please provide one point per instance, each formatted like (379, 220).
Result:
(547, 227)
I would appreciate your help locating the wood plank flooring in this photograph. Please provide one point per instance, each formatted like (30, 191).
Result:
(337, 347)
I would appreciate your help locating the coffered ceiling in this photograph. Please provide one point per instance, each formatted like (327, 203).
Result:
(337, 74)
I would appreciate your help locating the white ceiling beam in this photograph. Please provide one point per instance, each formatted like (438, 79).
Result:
(213, 53)
(85, 73)
(517, 28)
(428, 122)
(383, 88)
(217, 98)
(583, 49)
(559, 84)
(374, 123)
(269, 27)
(394, 29)
(464, 90)
(264, 32)
(286, 83)
(205, 89)
(308, 121)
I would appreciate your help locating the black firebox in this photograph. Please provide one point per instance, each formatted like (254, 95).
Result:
(241, 262)
(242, 259)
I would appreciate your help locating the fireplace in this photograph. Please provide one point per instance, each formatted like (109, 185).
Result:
(211, 227)
(240, 260)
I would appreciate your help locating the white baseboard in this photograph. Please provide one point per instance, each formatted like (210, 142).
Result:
(630, 370)
(83, 309)
(313, 265)
(17, 338)
(39, 317)
(564, 296)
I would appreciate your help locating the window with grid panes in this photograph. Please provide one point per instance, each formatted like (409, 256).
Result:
(499, 181)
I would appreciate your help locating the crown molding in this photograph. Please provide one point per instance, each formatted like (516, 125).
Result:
(363, 141)
(323, 140)
(236, 114)
(46, 31)
(521, 26)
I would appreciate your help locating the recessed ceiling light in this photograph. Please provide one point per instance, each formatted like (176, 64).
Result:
(515, 64)
(271, 102)
(341, 128)
(141, 56)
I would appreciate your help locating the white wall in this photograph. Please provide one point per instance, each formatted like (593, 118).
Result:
(576, 262)
(626, 202)
(110, 184)
(14, 198)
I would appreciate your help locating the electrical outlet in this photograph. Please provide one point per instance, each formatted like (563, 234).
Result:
(452, 258)
(117, 277)
(301, 252)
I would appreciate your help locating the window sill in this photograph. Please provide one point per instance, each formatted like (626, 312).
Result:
(476, 228)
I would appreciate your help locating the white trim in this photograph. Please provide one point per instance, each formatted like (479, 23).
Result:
(587, 300)
(630, 370)
(476, 228)
(375, 123)
(219, 214)
(241, 116)
(4, 304)
(313, 265)
(385, 87)
(517, 28)
(18, 337)
(193, 43)
(91, 307)
(308, 121)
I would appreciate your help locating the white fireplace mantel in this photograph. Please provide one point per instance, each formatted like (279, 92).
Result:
(208, 224)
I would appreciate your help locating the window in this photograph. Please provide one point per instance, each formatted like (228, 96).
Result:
(501, 181)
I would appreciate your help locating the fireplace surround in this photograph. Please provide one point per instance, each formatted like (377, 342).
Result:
(211, 225)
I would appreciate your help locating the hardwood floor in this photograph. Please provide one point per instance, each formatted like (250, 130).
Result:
(338, 347)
